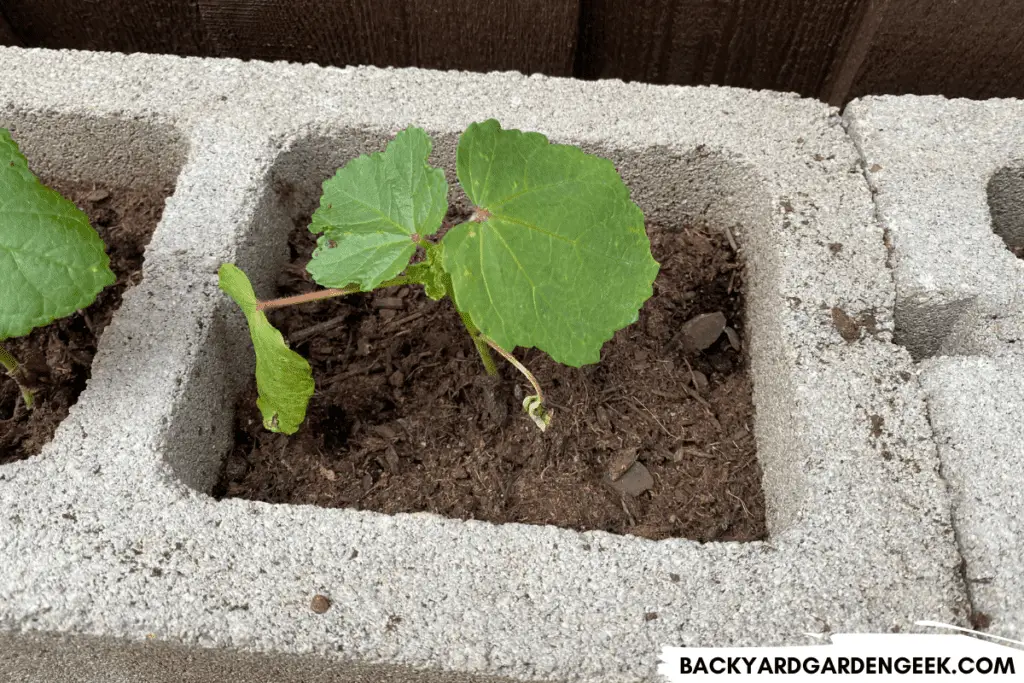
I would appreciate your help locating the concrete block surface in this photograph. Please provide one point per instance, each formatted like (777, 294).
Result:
(976, 406)
(948, 181)
(114, 560)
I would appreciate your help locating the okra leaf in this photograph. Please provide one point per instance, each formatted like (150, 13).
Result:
(431, 274)
(371, 209)
(283, 378)
(556, 255)
(52, 262)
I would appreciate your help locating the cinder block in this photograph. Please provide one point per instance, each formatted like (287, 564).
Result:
(115, 564)
(948, 180)
(976, 406)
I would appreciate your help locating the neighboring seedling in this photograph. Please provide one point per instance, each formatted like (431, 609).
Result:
(554, 256)
(52, 262)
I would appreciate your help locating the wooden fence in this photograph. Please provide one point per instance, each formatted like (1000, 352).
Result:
(831, 49)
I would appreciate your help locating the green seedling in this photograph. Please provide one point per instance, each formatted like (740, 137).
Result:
(52, 262)
(554, 256)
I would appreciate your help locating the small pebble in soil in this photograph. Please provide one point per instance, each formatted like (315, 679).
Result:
(734, 338)
(621, 463)
(700, 381)
(700, 332)
(635, 481)
(320, 604)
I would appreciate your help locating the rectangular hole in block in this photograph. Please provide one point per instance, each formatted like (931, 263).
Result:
(1006, 204)
(404, 419)
(119, 173)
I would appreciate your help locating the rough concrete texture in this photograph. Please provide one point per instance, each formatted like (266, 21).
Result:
(948, 178)
(114, 561)
(976, 406)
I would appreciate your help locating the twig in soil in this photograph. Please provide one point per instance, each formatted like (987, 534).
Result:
(369, 490)
(422, 366)
(699, 399)
(88, 321)
(748, 462)
(305, 333)
(732, 242)
(406, 319)
(629, 515)
(697, 453)
(667, 395)
(356, 371)
(744, 505)
(655, 418)
(693, 378)
(689, 393)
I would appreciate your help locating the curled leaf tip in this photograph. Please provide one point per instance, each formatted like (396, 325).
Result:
(541, 416)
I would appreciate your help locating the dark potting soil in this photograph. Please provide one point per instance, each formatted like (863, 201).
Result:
(404, 418)
(58, 357)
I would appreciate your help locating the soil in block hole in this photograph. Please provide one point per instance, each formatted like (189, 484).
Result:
(59, 356)
(655, 441)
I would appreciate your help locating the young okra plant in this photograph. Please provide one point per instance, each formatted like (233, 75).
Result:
(52, 261)
(554, 256)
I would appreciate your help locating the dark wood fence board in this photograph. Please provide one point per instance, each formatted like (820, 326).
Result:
(524, 35)
(832, 49)
(7, 35)
(957, 48)
(853, 50)
(778, 44)
(168, 26)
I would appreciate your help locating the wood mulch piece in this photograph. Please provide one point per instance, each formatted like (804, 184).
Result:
(404, 418)
(59, 355)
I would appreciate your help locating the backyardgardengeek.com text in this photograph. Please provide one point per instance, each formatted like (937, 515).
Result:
(848, 665)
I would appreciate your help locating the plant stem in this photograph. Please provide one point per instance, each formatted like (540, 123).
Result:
(11, 365)
(9, 362)
(304, 298)
(519, 366)
(480, 343)
(324, 294)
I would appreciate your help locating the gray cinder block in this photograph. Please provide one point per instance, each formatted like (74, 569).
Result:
(948, 180)
(976, 406)
(115, 564)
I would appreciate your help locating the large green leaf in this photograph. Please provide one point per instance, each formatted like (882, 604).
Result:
(370, 210)
(52, 262)
(283, 378)
(558, 257)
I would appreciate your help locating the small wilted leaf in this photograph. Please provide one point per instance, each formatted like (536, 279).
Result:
(283, 377)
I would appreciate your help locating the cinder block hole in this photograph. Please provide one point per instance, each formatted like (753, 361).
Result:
(656, 441)
(119, 172)
(1006, 204)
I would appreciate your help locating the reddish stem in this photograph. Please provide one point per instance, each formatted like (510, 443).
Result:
(304, 298)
